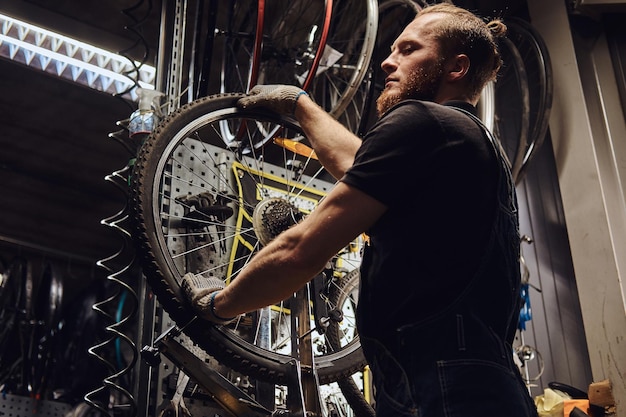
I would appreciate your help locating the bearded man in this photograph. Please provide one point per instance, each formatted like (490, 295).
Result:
(440, 278)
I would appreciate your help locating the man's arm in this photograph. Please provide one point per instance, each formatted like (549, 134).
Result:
(298, 254)
(334, 145)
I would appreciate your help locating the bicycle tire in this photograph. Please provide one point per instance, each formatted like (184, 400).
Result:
(47, 313)
(11, 296)
(342, 86)
(4, 277)
(292, 48)
(16, 358)
(239, 43)
(393, 16)
(538, 68)
(513, 106)
(188, 142)
(345, 296)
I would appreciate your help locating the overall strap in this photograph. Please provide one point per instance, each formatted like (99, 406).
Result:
(507, 181)
(502, 228)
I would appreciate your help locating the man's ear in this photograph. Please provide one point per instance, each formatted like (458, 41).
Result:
(457, 67)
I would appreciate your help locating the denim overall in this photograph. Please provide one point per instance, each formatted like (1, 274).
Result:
(459, 363)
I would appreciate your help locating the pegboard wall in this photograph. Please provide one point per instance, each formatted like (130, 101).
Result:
(17, 406)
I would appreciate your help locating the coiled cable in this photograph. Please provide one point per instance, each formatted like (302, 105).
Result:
(113, 394)
(118, 352)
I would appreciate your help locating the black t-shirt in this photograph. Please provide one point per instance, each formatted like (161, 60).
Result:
(436, 172)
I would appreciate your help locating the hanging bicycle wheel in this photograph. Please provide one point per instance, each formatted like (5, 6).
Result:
(536, 58)
(199, 196)
(323, 47)
(16, 313)
(513, 106)
(341, 82)
(238, 37)
(393, 16)
(12, 279)
(523, 94)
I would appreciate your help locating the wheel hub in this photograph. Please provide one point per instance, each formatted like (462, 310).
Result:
(273, 216)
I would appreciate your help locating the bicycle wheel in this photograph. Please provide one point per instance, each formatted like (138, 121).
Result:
(523, 95)
(198, 196)
(18, 325)
(299, 36)
(341, 83)
(393, 16)
(47, 312)
(538, 71)
(239, 41)
(345, 296)
(513, 106)
(11, 282)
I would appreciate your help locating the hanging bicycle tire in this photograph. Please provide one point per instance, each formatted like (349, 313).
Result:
(323, 47)
(524, 92)
(13, 276)
(393, 17)
(18, 327)
(341, 82)
(197, 197)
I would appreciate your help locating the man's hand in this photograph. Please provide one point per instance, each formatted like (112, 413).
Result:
(200, 292)
(278, 98)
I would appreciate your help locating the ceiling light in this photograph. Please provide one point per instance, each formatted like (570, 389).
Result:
(71, 59)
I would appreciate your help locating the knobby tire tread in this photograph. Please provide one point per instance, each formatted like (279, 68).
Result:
(244, 358)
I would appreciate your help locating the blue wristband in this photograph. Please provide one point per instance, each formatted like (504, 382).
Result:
(212, 309)
(295, 102)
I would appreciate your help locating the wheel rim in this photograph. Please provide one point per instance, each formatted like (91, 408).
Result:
(291, 37)
(204, 192)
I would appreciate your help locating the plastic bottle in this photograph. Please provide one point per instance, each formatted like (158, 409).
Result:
(145, 118)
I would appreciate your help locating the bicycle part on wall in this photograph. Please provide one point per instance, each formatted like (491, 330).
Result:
(195, 185)
(323, 47)
(525, 353)
(47, 319)
(340, 84)
(16, 313)
(393, 16)
(30, 317)
(523, 94)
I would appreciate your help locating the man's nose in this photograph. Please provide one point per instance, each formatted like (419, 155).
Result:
(388, 65)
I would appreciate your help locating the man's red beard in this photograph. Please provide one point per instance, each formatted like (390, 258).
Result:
(421, 85)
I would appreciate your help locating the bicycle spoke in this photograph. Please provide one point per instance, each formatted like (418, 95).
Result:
(213, 185)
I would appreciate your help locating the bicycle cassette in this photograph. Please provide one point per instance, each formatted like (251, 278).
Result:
(273, 216)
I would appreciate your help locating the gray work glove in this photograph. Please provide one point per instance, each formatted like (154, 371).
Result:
(200, 293)
(278, 98)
